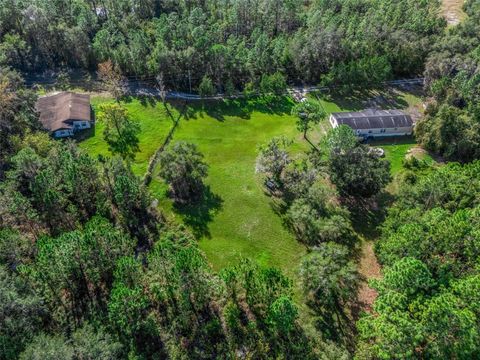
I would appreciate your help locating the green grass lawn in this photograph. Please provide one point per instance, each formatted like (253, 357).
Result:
(236, 218)
(385, 98)
(396, 150)
(154, 123)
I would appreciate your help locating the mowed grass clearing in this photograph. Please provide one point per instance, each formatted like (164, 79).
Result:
(154, 123)
(236, 219)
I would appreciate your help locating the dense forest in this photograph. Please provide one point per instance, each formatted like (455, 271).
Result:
(103, 273)
(452, 127)
(428, 303)
(231, 42)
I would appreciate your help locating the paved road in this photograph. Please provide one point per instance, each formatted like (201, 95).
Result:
(142, 88)
(147, 88)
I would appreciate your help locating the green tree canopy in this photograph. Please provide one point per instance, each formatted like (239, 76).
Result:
(183, 168)
(309, 113)
(121, 132)
(330, 281)
(354, 168)
(206, 87)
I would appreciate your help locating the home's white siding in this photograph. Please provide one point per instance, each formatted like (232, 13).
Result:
(63, 133)
(80, 125)
(401, 131)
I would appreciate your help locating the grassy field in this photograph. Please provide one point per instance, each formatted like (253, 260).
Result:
(386, 98)
(395, 151)
(236, 218)
(154, 123)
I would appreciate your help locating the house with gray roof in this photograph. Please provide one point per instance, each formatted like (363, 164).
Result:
(375, 123)
(65, 113)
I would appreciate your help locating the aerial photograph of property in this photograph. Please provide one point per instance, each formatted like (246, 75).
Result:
(239, 179)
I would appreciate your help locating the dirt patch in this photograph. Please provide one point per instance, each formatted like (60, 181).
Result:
(420, 153)
(369, 268)
(452, 11)
(416, 152)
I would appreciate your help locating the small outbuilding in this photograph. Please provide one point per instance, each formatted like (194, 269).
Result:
(375, 123)
(65, 113)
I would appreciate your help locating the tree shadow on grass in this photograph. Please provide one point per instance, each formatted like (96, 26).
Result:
(199, 214)
(368, 215)
(145, 100)
(239, 108)
(358, 100)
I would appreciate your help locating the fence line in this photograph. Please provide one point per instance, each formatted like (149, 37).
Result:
(147, 179)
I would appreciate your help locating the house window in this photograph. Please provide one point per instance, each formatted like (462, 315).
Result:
(369, 131)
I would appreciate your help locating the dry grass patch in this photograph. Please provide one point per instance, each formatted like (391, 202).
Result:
(453, 11)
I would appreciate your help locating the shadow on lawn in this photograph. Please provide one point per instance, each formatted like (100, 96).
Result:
(389, 141)
(357, 100)
(144, 100)
(198, 215)
(240, 108)
(368, 215)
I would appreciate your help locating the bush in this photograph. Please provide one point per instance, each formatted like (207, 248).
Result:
(206, 87)
(183, 169)
(275, 84)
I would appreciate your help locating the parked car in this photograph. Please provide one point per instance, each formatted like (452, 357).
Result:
(377, 151)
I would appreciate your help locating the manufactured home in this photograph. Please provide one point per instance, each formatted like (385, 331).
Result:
(372, 123)
(64, 114)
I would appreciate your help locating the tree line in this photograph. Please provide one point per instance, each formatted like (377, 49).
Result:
(451, 127)
(313, 192)
(428, 302)
(230, 43)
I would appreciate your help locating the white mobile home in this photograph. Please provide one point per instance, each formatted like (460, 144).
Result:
(375, 123)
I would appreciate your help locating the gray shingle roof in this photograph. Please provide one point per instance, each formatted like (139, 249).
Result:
(60, 110)
(374, 119)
